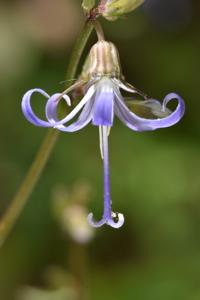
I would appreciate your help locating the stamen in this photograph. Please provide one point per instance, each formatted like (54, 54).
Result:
(110, 218)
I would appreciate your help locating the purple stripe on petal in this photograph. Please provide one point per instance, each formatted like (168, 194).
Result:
(103, 109)
(27, 109)
(137, 123)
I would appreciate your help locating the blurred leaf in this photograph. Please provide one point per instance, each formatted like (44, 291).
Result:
(37, 294)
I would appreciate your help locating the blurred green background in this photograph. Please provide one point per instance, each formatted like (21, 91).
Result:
(51, 254)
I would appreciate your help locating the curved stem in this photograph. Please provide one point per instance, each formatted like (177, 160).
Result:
(99, 30)
(78, 51)
(44, 152)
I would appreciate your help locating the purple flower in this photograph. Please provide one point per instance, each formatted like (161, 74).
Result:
(101, 101)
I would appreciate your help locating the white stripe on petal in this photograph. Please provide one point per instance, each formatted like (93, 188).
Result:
(52, 104)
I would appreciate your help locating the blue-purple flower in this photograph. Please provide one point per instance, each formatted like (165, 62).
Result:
(102, 83)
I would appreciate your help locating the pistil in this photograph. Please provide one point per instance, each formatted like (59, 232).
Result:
(110, 218)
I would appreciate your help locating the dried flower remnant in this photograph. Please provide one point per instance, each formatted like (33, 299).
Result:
(101, 81)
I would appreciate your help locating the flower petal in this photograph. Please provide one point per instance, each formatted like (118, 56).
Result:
(84, 118)
(52, 104)
(104, 105)
(27, 109)
(51, 107)
(141, 124)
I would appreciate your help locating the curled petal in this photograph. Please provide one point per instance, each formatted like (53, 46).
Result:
(177, 114)
(27, 109)
(84, 118)
(137, 123)
(52, 105)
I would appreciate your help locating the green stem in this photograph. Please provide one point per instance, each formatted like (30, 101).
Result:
(99, 30)
(78, 50)
(43, 154)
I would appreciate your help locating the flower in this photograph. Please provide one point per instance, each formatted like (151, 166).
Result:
(102, 83)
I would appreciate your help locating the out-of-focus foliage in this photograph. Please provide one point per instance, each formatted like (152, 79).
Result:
(155, 176)
(36, 294)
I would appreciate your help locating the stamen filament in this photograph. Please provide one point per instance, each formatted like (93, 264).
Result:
(99, 30)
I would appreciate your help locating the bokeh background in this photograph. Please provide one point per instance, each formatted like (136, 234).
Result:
(52, 254)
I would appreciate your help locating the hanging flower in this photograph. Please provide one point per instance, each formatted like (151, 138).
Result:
(102, 82)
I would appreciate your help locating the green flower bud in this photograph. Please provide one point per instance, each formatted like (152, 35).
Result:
(112, 9)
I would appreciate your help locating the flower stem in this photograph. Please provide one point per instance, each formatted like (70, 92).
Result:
(44, 152)
(99, 30)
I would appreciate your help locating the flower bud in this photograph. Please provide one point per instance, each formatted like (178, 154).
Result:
(103, 60)
(112, 9)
